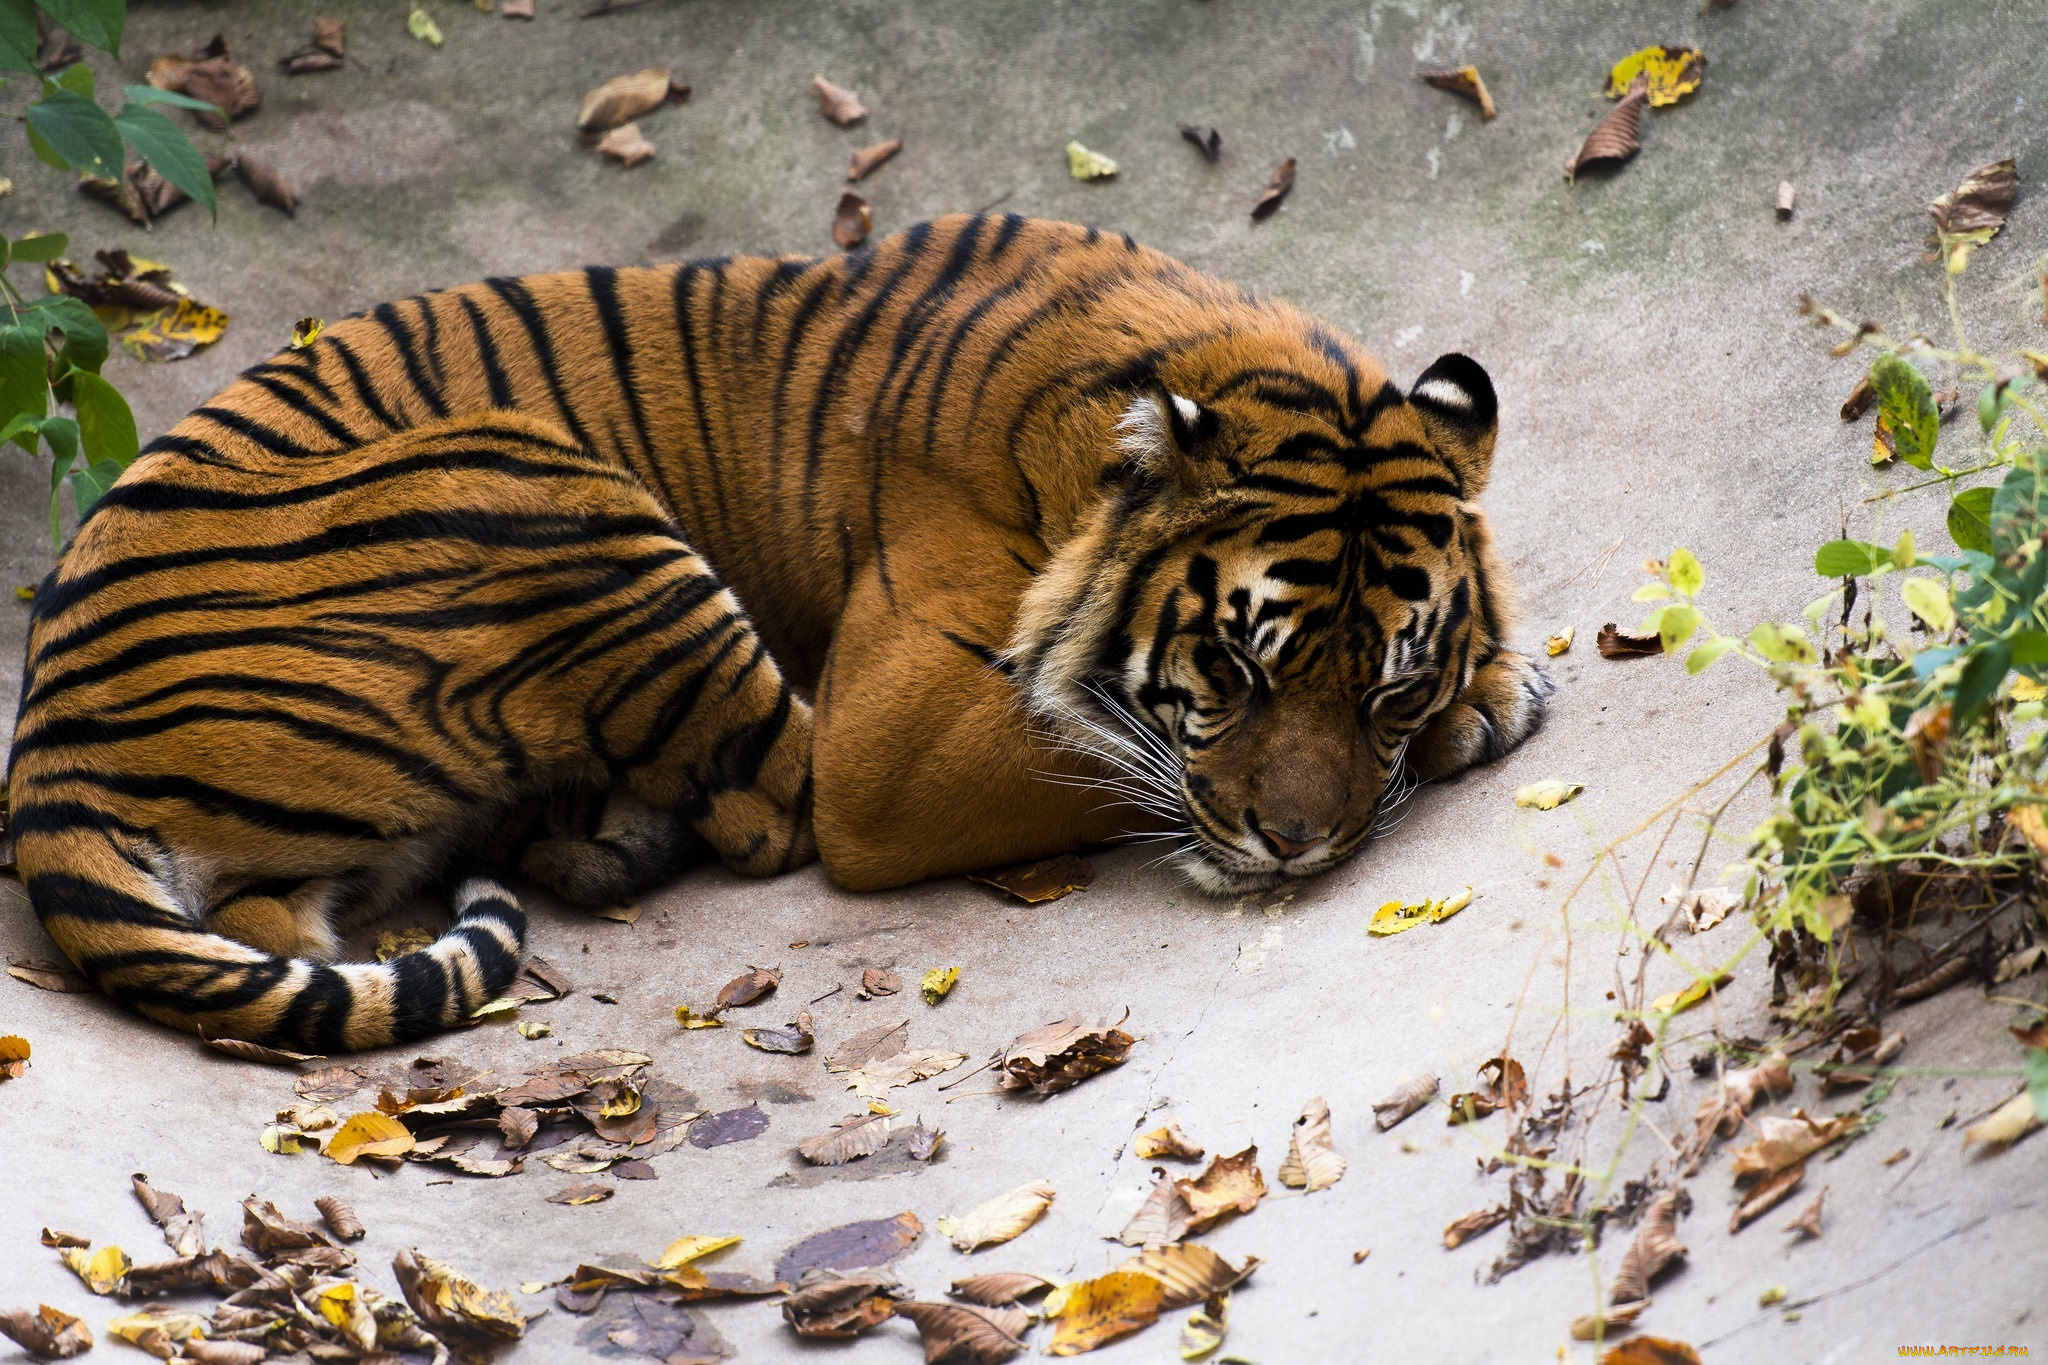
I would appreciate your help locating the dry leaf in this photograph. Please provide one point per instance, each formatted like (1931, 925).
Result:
(1703, 909)
(46, 1332)
(369, 1133)
(851, 1246)
(938, 984)
(1230, 1184)
(1866, 1047)
(924, 1142)
(1613, 140)
(877, 981)
(852, 221)
(412, 938)
(688, 1018)
(1207, 141)
(1189, 1272)
(215, 77)
(734, 1125)
(257, 1052)
(1859, 400)
(1547, 795)
(102, 1270)
(1096, 1312)
(748, 987)
(1655, 1247)
(175, 332)
(629, 148)
(1650, 1351)
(856, 1136)
(837, 103)
(1083, 164)
(266, 1231)
(182, 1230)
(1312, 1162)
(875, 1080)
(1001, 1218)
(1001, 1289)
(1787, 1140)
(840, 1304)
(1276, 190)
(582, 1194)
(630, 912)
(1167, 1141)
(960, 1334)
(341, 1220)
(1678, 1001)
(159, 1329)
(1205, 1328)
(793, 1038)
(1616, 643)
(625, 98)
(49, 976)
(1048, 879)
(64, 1239)
(1464, 80)
(2009, 1122)
(1980, 204)
(421, 25)
(1472, 1224)
(14, 1055)
(535, 1028)
(1560, 642)
(328, 36)
(1807, 1224)
(1061, 1054)
(1740, 1092)
(265, 183)
(1767, 1195)
(1588, 1326)
(1403, 1102)
(329, 1083)
(1669, 74)
(516, 9)
(869, 159)
(684, 1250)
(876, 1044)
(451, 1304)
(1162, 1218)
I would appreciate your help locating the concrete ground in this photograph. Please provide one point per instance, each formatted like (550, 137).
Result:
(1657, 389)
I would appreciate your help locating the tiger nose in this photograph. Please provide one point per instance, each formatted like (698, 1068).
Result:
(1292, 848)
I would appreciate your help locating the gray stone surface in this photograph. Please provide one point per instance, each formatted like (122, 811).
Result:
(1657, 389)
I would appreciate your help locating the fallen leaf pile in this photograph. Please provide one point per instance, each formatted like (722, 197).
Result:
(155, 316)
(213, 76)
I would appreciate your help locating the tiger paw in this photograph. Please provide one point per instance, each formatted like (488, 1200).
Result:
(1503, 705)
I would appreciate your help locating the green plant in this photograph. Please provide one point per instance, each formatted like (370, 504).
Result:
(52, 348)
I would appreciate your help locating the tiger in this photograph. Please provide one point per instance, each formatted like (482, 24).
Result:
(994, 539)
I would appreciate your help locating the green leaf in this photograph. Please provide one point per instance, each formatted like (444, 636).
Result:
(18, 36)
(149, 94)
(90, 483)
(165, 147)
(1685, 573)
(46, 246)
(1783, 644)
(1850, 559)
(105, 424)
(79, 131)
(1701, 659)
(1905, 403)
(24, 383)
(98, 22)
(1989, 400)
(1969, 519)
(85, 338)
(2016, 510)
(61, 434)
(1983, 671)
(23, 431)
(2030, 647)
(45, 153)
(1676, 624)
(2037, 1080)
(1927, 599)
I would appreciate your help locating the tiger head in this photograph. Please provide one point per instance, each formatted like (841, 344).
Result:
(1285, 579)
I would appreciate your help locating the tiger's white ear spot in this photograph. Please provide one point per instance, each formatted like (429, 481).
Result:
(1143, 432)
(1190, 411)
(1445, 393)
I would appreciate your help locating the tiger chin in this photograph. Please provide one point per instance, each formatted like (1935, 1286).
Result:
(995, 539)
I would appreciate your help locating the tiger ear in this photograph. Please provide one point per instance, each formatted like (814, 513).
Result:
(1456, 402)
(1159, 434)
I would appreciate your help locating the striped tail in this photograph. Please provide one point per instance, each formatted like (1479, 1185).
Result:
(145, 954)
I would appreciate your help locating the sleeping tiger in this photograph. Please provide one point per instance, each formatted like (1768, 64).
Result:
(996, 539)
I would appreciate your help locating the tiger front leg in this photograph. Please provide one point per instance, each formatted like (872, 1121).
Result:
(1502, 706)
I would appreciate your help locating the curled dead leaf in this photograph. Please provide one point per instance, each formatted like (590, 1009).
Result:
(1229, 1185)
(582, 1194)
(1083, 164)
(1000, 1289)
(793, 1038)
(1650, 1351)
(1464, 80)
(837, 103)
(1312, 1162)
(841, 1304)
(746, 988)
(1277, 187)
(879, 981)
(1807, 1224)
(1767, 1195)
(938, 983)
(1061, 1054)
(1561, 642)
(1048, 879)
(46, 1332)
(1163, 1217)
(1405, 1101)
(215, 77)
(159, 1329)
(1655, 1247)
(257, 1052)
(869, 159)
(1739, 1092)
(1547, 795)
(182, 1230)
(1615, 138)
(59, 1238)
(1616, 643)
(852, 221)
(1472, 1224)
(1787, 1140)
(1608, 1322)
(370, 1133)
(966, 1334)
(1189, 1272)
(1668, 73)
(2008, 1123)
(1002, 1218)
(1207, 141)
(102, 1270)
(49, 976)
(341, 1220)
(1165, 1141)
(1980, 204)
(265, 183)
(14, 1056)
(625, 98)
(450, 1304)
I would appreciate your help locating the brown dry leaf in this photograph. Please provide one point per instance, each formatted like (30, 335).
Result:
(1472, 1224)
(1096, 1312)
(329, 1083)
(626, 145)
(539, 980)
(1587, 1326)
(182, 1230)
(793, 1038)
(159, 1329)
(46, 1332)
(266, 1231)
(582, 1194)
(1616, 643)
(1207, 141)
(878, 981)
(1859, 400)
(1048, 879)
(341, 1220)
(1061, 1054)
(1312, 1162)
(875, 1242)
(1740, 1092)
(14, 1055)
(49, 976)
(370, 1133)
(452, 1305)
(308, 60)
(747, 987)
(2009, 1122)
(875, 1080)
(837, 103)
(257, 1052)
(869, 1045)
(1000, 1289)
(1650, 1351)
(60, 1238)
(1506, 1087)
(733, 1125)
(1230, 1184)
(1001, 1218)
(960, 1334)
(1464, 80)
(1167, 1141)
(1807, 1224)
(1980, 204)
(1162, 1218)
(855, 1136)
(102, 1270)
(869, 159)
(1655, 1247)
(265, 183)
(625, 98)
(1268, 202)
(1867, 1049)
(852, 221)
(1767, 1195)
(841, 1304)
(630, 912)
(924, 1142)
(1703, 908)
(1405, 1101)
(1614, 139)
(1189, 1272)
(214, 76)
(1786, 1141)
(328, 36)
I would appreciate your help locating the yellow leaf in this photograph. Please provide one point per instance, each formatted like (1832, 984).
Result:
(102, 1270)
(1679, 1001)
(1189, 1271)
(447, 1299)
(1002, 1217)
(684, 1250)
(688, 1018)
(2028, 820)
(1674, 72)
(497, 1011)
(1166, 1140)
(937, 982)
(534, 1028)
(422, 26)
(369, 1133)
(157, 1329)
(1083, 164)
(1396, 918)
(1098, 1311)
(2023, 689)
(1230, 1184)
(1439, 911)
(282, 1140)
(1205, 1328)
(176, 332)
(1560, 642)
(2009, 1122)
(306, 331)
(14, 1054)
(342, 1306)
(1547, 795)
